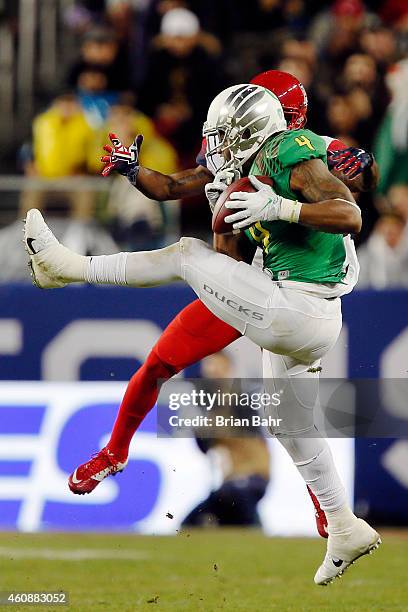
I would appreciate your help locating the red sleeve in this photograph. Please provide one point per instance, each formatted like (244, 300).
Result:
(336, 145)
(200, 159)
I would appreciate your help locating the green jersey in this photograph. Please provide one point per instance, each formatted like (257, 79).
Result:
(292, 251)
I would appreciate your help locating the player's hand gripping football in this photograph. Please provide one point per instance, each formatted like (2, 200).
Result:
(262, 205)
(124, 160)
(222, 180)
(351, 162)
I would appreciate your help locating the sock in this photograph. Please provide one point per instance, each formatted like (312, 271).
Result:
(151, 268)
(141, 269)
(340, 521)
(192, 335)
(106, 269)
(140, 397)
(320, 474)
(314, 461)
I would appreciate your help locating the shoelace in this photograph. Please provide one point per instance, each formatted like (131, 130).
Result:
(98, 461)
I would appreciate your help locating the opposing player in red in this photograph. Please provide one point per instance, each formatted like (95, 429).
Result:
(196, 332)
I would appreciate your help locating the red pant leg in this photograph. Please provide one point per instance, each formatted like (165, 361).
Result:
(191, 336)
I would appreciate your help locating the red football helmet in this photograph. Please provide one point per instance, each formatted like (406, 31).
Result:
(291, 94)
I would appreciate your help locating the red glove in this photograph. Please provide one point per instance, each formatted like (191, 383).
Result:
(124, 160)
(351, 161)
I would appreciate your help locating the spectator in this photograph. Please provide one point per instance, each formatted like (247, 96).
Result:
(391, 146)
(258, 16)
(79, 17)
(61, 140)
(381, 44)
(351, 116)
(384, 257)
(155, 11)
(395, 13)
(99, 75)
(100, 52)
(398, 200)
(302, 69)
(343, 51)
(336, 30)
(342, 119)
(366, 93)
(182, 80)
(94, 96)
(295, 13)
(125, 18)
(119, 14)
(360, 71)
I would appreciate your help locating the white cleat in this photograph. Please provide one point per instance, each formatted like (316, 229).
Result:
(48, 258)
(344, 550)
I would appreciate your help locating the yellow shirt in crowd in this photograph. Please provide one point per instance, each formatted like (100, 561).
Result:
(61, 144)
(65, 146)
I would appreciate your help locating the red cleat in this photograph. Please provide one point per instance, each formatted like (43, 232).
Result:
(321, 520)
(88, 475)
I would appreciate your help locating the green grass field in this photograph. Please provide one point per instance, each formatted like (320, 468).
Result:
(200, 571)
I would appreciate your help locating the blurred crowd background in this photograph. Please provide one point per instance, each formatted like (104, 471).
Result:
(74, 70)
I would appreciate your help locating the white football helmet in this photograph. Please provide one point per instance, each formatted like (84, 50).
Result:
(214, 158)
(239, 121)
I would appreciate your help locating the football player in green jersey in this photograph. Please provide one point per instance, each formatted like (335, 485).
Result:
(294, 250)
(292, 309)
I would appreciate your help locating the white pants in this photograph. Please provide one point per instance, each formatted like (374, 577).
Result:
(295, 330)
(281, 320)
(297, 327)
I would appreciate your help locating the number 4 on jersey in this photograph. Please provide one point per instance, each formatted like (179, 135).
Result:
(303, 140)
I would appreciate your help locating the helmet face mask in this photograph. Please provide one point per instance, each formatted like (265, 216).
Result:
(247, 116)
(213, 155)
(215, 138)
(218, 153)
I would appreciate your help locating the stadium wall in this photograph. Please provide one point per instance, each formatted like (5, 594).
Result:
(100, 335)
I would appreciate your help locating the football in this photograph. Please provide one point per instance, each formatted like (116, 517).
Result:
(219, 226)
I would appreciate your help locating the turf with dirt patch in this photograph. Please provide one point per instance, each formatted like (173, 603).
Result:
(229, 570)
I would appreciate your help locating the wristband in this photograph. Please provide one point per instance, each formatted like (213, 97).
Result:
(289, 210)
